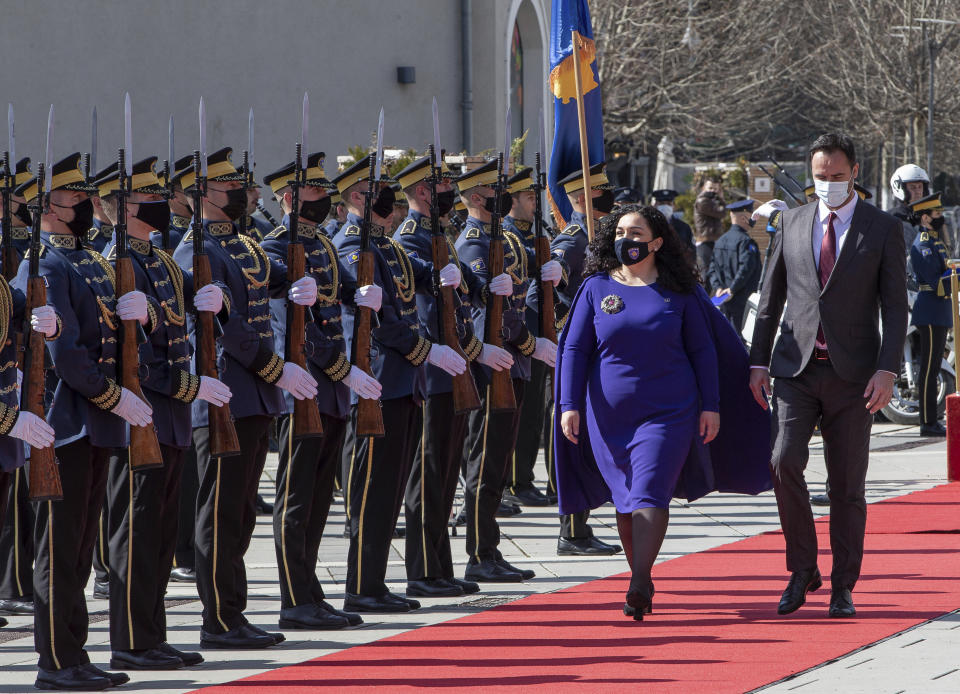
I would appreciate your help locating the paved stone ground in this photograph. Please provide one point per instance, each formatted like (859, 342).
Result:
(924, 659)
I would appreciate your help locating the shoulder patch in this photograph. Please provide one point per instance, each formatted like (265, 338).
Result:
(352, 230)
(408, 227)
(572, 230)
(473, 233)
(478, 265)
(353, 257)
(188, 236)
(926, 251)
(278, 232)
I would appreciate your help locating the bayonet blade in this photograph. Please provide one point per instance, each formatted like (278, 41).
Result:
(93, 140)
(203, 139)
(48, 154)
(128, 135)
(506, 144)
(379, 160)
(540, 143)
(436, 133)
(305, 122)
(11, 137)
(170, 149)
(250, 138)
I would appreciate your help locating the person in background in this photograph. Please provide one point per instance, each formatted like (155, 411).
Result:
(735, 268)
(708, 212)
(663, 200)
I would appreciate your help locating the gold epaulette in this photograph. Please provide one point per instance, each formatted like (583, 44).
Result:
(473, 233)
(278, 232)
(352, 230)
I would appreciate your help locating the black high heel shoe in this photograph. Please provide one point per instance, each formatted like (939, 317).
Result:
(638, 603)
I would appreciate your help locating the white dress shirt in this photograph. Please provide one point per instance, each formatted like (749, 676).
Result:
(841, 225)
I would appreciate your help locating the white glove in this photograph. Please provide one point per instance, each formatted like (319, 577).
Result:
(768, 208)
(370, 296)
(298, 382)
(30, 428)
(546, 351)
(450, 275)
(445, 358)
(133, 306)
(19, 380)
(44, 320)
(213, 391)
(132, 409)
(303, 292)
(363, 384)
(551, 272)
(208, 298)
(502, 285)
(495, 357)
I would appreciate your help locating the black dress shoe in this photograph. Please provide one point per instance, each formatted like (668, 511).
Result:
(526, 496)
(433, 588)
(414, 604)
(553, 498)
(819, 500)
(3, 622)
(385, 604)
(189, 658)
(841, 603)
(101, 589)
(525, 574)
(75, 677)
(801, 582)
(16, 607)
(353, 619)
(468, 587)
(399, 532)
(116, 678)
(310, 617)
(238, 638)
(489, 571)
(585, 546)
(460, 519)
(263, 508)
(183, 574)
(936, 429)
(145, 659)
(254, 630)
(505, 510)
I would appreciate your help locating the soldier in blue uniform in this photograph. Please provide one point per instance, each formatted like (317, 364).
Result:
(663, 200)
(336, 217)
(180, 211)
(89, 414)
(143, 504)
(101, 231)
(735, 268)
(570, 245)
(257, 225)
(520, 488)
(16, 533)
(932, 314)
(305, 476)
(491, 436)
(433, 479)
(380, 467)
(256, 375)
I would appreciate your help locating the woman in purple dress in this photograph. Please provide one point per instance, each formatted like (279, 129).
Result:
(639, 377)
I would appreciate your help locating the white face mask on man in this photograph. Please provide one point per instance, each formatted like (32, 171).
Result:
(666, 210)
(833, 193)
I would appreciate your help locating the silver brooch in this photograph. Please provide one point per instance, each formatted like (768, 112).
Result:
(611, 304)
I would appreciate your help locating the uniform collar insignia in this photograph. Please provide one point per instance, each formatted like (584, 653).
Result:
(376, 230)
(138, 245)
(307, 231)
(220, 228)
(522, 225)
(63, 241)
(424, 222)
(103, 230)
(179, 221)
(19, 233)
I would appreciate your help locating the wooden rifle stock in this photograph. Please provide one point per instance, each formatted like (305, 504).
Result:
(369, 413)
(306, 414)
(548, 325)
(502, 397)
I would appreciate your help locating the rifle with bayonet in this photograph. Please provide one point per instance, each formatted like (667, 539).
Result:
(165, 231)
(541, 247)
(7, 250)
(144, 447)
(44, 476)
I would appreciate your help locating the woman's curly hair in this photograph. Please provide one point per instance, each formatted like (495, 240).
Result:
(675, 268)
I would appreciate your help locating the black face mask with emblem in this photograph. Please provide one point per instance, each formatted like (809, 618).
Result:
(23, 214)
(316, 210)
(445, 202)
(155, 215)
(383, 205)
(236, 205)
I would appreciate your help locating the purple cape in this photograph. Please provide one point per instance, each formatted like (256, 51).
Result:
(738, 460)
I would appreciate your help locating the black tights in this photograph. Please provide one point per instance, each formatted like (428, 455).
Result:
(642, 533)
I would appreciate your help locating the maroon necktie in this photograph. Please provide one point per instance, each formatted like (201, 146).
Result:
(828, 258)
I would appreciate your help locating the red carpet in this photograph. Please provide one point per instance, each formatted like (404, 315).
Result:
(714, 627)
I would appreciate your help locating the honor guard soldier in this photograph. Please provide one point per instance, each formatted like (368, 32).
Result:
(491, 436)
(257, 226)
(663, 200)
(336, 217)
(180, 212)
(307, 465)
(143, 503)
(520, 488)
(735, 267)
(89, 414)
(16, 525)
(255, 374)
(576, 537)
(380, 467)
(432, 484)
(932, 314)
(101, 231)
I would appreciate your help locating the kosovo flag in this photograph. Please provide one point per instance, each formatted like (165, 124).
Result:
(568, 16)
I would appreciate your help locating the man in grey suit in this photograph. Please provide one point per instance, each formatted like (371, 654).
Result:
(834, 263)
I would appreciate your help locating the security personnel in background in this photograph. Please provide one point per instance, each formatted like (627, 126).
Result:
(336, 217)
(89, 413)
(432, 484)
(736, 265)
(491, 436)
(256, 375)
(143, 504)
(570, 245)
(380, 467)
(908, 183)
(626, 196)
(520, 488)
(307, 465)
(663, 200)
(16, 525)
(932, 314)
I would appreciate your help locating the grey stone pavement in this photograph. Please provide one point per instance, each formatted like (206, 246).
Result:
(923, 659)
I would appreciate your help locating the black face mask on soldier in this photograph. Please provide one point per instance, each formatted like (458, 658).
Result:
(23, 214)
(315, 210)
(236, 205)
(936, 223)
(506, 202)
(155, 214)
(383, 205)
(82, 217)
(445, 202)
(604, 203)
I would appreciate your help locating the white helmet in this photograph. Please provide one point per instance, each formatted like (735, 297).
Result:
(905, 174)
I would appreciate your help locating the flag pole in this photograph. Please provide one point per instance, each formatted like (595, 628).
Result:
(584, 145)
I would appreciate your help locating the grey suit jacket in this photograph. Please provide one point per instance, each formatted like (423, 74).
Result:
(868, 282)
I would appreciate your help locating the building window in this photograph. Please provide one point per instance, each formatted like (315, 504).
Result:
(516, 83)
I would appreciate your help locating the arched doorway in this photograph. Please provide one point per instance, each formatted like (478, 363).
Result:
(526, 70)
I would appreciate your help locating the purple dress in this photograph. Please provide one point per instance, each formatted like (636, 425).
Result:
(639, 364)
